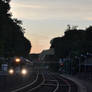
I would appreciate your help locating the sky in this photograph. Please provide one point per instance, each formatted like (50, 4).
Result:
(47, 19)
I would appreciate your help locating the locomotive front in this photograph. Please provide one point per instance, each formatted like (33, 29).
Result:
(18, 65)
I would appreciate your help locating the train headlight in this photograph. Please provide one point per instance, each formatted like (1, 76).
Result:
(24, 71)
(17, 60)
(11, 71)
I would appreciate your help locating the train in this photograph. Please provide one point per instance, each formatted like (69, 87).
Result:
(19, 66)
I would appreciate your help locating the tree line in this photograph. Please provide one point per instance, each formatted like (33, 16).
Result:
(12, 40)
(73, 42)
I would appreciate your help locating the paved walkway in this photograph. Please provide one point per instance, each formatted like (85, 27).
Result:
(84, 81)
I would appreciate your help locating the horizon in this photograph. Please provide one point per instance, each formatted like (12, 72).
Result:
(47, 19)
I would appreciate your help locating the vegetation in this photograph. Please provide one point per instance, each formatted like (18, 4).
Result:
(12, 40)
(74, 46)
(74, 42)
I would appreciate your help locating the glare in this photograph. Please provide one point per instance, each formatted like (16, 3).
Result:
(24, 71)
(17, 60)
(11, 71)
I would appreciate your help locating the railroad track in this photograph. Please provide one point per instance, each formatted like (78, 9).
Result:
(32, 85)
(49, 82)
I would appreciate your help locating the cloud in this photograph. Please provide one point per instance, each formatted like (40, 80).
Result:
(88, 18)
(19, 5)
(48, 18)
(42, 11)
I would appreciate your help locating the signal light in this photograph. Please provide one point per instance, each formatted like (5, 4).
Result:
(62, 64)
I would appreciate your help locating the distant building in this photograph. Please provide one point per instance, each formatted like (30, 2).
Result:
(46, 53)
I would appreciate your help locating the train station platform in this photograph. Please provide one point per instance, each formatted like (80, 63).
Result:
(83, 81)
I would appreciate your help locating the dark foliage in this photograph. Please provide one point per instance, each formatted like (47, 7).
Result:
(73, 41)
(12, 40)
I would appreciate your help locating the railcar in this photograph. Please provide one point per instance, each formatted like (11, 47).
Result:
(19, 66)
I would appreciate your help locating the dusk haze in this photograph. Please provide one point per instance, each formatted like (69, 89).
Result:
(45, 45)
(46, 19)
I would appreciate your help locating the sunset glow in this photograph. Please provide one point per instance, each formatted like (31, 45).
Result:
(46, 19)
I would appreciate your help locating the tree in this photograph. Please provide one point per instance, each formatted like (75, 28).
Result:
(12, 40)
(74, 40)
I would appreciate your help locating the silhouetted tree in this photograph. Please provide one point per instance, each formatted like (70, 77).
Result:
(12, 40)
(74, 40)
